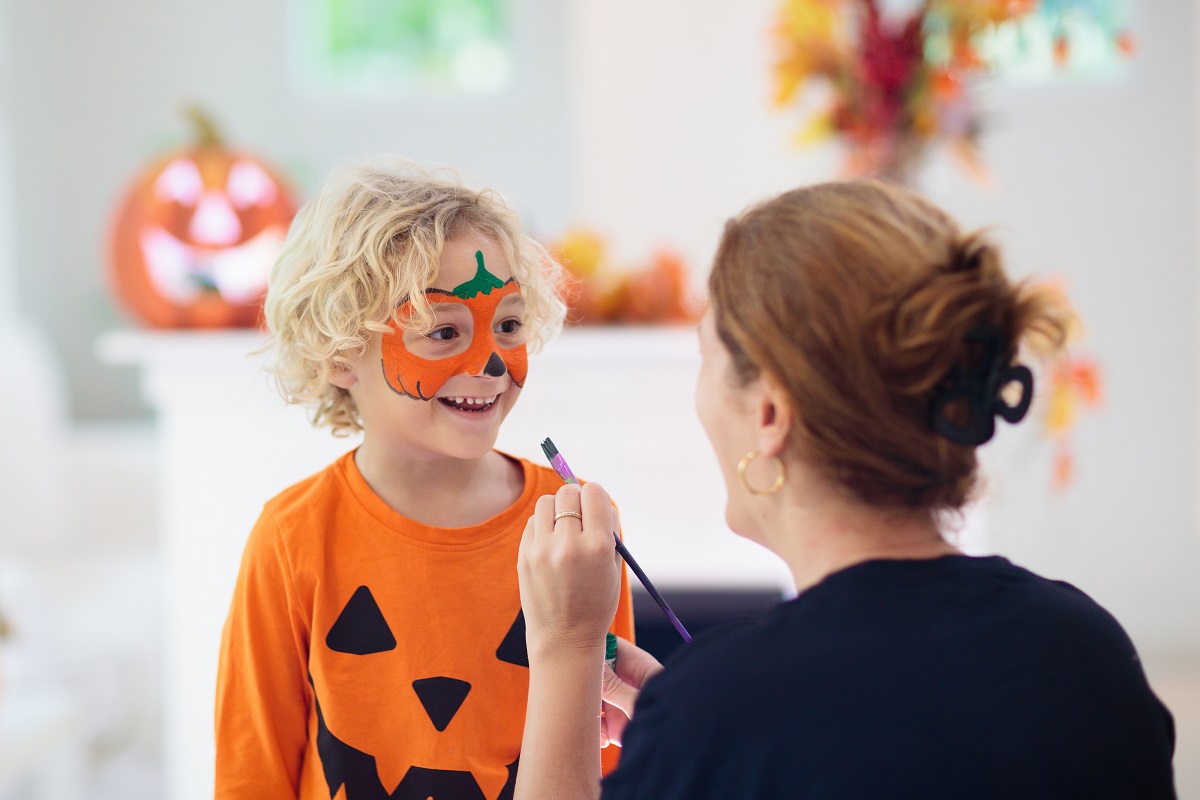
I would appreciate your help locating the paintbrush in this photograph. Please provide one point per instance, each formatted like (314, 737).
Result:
(564, 472)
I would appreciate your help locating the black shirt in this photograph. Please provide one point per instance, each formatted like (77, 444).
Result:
(956, 677)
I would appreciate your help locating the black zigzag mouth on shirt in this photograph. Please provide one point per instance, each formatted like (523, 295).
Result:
(349, 767)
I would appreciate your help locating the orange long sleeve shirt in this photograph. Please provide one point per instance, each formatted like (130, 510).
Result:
(369, 656)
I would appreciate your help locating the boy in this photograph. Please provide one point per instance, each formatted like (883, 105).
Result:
(375, 645)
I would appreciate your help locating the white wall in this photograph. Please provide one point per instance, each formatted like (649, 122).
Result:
(8, 272)
(97, 93)
(673, 133)
(671, 125)
(657, 129)
(651, 122)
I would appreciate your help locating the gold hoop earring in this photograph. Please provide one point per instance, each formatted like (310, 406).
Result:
(741, 473)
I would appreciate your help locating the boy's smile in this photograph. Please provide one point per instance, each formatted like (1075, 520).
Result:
(472, 404)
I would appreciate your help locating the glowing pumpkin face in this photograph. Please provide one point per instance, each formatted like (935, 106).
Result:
(194, 239)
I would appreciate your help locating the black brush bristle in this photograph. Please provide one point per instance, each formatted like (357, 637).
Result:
(549, 449)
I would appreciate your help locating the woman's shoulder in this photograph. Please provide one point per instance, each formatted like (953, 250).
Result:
(964, 594)
(948, 581)
(1051, 602)
(1058, 609)
(906, 608)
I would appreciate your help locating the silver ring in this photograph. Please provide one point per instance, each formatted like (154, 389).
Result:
(575, 514)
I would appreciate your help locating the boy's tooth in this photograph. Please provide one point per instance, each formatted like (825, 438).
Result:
(474, 401)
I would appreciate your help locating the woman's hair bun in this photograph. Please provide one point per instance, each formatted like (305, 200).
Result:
(921, 328)
(970, 253)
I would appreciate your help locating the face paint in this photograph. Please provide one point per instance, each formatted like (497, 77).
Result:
(422, 378)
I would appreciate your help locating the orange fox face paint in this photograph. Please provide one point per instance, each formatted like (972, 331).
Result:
(487, 353)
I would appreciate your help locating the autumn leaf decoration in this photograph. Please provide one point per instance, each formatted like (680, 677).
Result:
(1074, 385)
(897, 78)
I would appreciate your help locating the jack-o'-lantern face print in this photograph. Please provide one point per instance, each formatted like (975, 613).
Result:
(195, 237)
(416, 704)
(477, 332)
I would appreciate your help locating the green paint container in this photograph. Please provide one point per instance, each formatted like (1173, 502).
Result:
(610, 650)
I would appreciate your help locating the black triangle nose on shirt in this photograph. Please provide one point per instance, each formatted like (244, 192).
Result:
(441, 697)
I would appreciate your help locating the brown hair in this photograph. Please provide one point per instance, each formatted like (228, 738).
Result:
(858, 298)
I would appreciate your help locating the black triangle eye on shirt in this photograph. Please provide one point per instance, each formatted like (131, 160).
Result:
(512, 648)
(361, 629)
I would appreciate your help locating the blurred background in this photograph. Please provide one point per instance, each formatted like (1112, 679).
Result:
(141, 440)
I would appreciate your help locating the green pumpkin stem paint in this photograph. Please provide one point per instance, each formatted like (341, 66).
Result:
(483, 282)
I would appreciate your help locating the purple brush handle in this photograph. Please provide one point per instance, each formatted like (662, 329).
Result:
(564, 472)
(560, 466)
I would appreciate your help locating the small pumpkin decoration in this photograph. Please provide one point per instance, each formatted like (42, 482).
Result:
(195, 236)
(658, 294)
(601, 293)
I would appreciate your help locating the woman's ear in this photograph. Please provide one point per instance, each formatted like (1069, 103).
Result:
(774, 417)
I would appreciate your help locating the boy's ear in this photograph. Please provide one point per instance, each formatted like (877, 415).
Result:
(774, 417)
(342, 377)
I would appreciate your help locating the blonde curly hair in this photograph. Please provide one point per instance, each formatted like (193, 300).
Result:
(371, 238)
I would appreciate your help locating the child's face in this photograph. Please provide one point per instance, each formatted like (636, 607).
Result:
(447, 390)
(476, 331)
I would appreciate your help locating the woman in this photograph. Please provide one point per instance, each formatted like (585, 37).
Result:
(857, 350)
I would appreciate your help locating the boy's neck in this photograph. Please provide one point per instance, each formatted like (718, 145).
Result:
(442, 492)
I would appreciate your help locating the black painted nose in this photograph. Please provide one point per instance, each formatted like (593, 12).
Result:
(494, 367)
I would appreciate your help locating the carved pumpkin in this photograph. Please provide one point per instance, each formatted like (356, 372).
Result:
(195, 236)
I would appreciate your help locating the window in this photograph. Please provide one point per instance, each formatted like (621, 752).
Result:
(404, 46)
(1058, 40)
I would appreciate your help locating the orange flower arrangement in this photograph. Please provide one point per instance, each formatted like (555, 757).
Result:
(899, 85)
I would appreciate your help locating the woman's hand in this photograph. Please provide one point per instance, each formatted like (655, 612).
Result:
(570, 580)
(621, 688)
(569, 569)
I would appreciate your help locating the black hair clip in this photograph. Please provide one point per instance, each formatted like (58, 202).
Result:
(981, 387)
